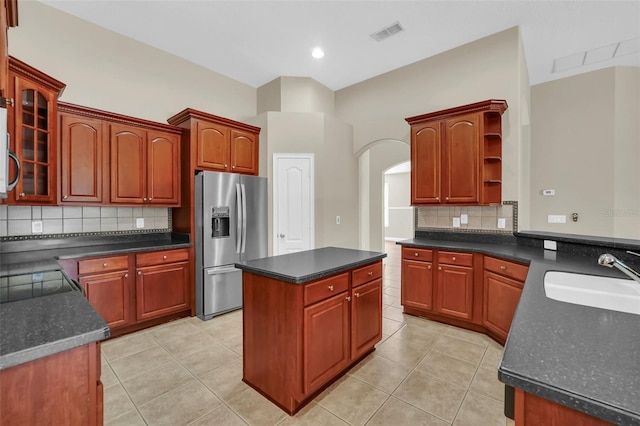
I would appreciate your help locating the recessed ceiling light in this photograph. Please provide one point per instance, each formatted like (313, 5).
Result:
(317, 52)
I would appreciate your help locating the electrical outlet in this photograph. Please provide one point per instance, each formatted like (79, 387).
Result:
(36, 227)
(456, 222)
(140, 222)
(502, 223)
(464, 218)
(557, 218)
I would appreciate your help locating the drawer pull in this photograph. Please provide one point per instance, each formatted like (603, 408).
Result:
(330, 288)
(105, 264)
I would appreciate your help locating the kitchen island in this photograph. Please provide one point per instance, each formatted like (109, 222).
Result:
(308, 317)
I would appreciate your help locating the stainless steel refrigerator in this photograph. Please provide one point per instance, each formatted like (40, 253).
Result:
(231, 226)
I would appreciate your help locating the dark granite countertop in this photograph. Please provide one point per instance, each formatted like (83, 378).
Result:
(310, 265)
(35, 328)
(581, 357)
(42, 326)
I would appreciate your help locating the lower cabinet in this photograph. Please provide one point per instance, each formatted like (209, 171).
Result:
(128, 290)
(531, 410)
(59, 389)
(462, 289)
(298, 338)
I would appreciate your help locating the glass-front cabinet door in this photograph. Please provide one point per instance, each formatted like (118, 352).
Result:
(34, 134)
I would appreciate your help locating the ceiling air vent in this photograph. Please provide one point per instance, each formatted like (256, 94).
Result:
(387, 32)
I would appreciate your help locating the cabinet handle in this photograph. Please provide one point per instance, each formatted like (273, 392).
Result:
(126, 275)
(357, 294)
(502, 267)
(21, 194)
(164, 257)
(104, 265)
(330, 288)
(348, 299)
(64, 197)
(453, 258)
(416, 254)
(370, 273)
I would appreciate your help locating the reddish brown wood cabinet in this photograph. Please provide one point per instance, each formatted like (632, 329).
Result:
(135, 291)
(503, 282)
(33, 128)
(454, 288)
(8, 18)
(59, 389)
(108, 287)
(531, 410)
(456, 155)
(162, 283)
(299, 338)
(417, 278)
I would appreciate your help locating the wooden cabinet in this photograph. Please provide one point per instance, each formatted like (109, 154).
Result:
(503, 283)
(219, 144)
(145, 166)
(162, 283)
(456, 155)
(107, 158)
(454, 287)
(108, 287)
(59, 389)
(83, 156)
(8, 19)
(134, 291)
(532, 410)
(417, 278)
(298, 338)
(33, 128)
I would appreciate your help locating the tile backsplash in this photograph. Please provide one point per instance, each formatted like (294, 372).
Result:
(480, 218)
(18, 220)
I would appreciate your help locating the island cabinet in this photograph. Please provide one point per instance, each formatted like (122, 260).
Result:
(33, 128)
(108, 158)
(59, 389)
(532, 410)
(503, 283)
(299, 338)
(137, 290)
(456, 155)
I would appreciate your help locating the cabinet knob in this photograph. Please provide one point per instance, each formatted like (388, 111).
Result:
(416, 254)
(439, 268)
(453, 258)
(437, 198)
(330, 288)
(164, 257)
(348, 299)
(104, 265)
(126, 275)
(225, 166)
(144, 199)
(446, 198)
(21, 194)
(64, 197)
(233, 167)
(139, 272)
(357, 294)
(370, 273)
(428, 266)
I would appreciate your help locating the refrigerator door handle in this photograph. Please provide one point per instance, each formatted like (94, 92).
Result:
(239, 233)
(244, 218)
(222, 270)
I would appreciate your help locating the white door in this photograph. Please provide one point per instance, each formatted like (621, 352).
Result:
(293, 203)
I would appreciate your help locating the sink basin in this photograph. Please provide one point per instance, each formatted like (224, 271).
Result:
(616, 294)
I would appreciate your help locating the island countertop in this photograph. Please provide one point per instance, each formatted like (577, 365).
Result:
(578, 356)
(310, 265)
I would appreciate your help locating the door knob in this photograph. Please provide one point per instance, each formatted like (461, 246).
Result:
(281, 235)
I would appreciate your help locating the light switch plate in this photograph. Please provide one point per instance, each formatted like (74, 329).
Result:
(456, 222)
(140, 222)
(464, 218)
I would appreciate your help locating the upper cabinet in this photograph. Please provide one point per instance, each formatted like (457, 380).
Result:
(219, 144)
(8, 19)
(33, 129)
(108, 158)
(456, 155)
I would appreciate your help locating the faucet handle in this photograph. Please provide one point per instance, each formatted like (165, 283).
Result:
(633, 253)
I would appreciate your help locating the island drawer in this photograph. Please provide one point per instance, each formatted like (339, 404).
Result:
(103, 264)
(324, 288)
(160, 257)
(411, 253)
(508, 269)
(454, 258)
(366, 273)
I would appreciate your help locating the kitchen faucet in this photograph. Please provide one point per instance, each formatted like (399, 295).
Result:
(611, 261)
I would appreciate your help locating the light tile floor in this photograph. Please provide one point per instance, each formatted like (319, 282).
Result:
(188, 372)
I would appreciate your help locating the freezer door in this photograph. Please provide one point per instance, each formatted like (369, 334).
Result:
(222, 290)
(254, 204)
(219, 212)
